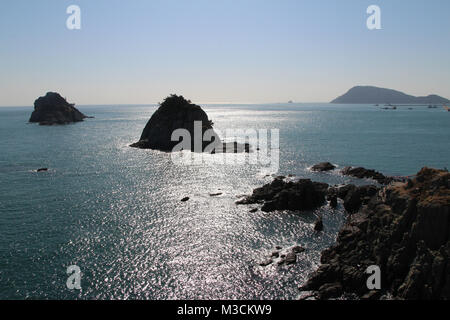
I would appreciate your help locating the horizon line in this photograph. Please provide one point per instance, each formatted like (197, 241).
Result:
(155, 104)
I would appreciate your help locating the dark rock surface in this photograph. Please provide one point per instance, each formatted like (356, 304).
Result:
(291, 258)
(175, 112)
(265, 263)
(333, 201)
(364, 173)
(357, 196)
(318, 225)
(293, 195)
(54, 109)
(405, 230)
(323, 166)
(298, 249)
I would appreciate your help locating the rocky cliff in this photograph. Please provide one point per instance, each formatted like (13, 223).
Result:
(404, 229)
(54, 109)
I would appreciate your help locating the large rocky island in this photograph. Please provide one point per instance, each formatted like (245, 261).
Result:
(54, 109)
(371, 95)
(176, 112)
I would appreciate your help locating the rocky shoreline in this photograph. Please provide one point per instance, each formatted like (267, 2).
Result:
(401, 227)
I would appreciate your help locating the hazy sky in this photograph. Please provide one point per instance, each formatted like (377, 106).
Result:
(139, 51)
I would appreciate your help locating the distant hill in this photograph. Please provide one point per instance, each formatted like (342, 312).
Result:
(368, 94)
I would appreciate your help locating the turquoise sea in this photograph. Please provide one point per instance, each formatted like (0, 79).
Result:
(115, 211)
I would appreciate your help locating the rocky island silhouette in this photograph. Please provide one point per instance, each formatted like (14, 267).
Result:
(176, 112)
(53, 109)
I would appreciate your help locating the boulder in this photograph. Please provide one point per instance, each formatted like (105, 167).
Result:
(363, 173)
(318, 225)
(298, 249)
(323, 166)
(292, 195)
(54, 109)
(291, 258)
(265, 263)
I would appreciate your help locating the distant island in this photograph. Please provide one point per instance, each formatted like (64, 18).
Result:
(369, 94)
(54, 109)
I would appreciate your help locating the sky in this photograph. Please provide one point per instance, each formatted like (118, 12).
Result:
(220, 51)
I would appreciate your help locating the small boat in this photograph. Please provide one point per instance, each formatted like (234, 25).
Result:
(447, 108)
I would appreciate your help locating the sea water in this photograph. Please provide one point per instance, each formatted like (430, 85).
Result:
(115, 211)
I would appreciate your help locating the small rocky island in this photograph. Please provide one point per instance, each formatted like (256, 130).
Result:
(54, 109)
(175, 112)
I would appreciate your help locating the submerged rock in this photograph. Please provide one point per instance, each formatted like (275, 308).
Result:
(54, 109)
(265, 263)
(323, 166)
(175, 112)
(293, 195)
(298, 249)
(291, 258)
(405, 230)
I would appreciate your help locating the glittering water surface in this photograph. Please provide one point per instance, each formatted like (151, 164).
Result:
(116, 212)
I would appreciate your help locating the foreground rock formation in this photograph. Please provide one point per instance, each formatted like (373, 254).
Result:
(54, 109)
(293, 195)
(405, 230)
(175, 112)
(364, 173)
(323, 166)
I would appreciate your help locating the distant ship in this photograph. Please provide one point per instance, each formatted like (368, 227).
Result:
(290, 101)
